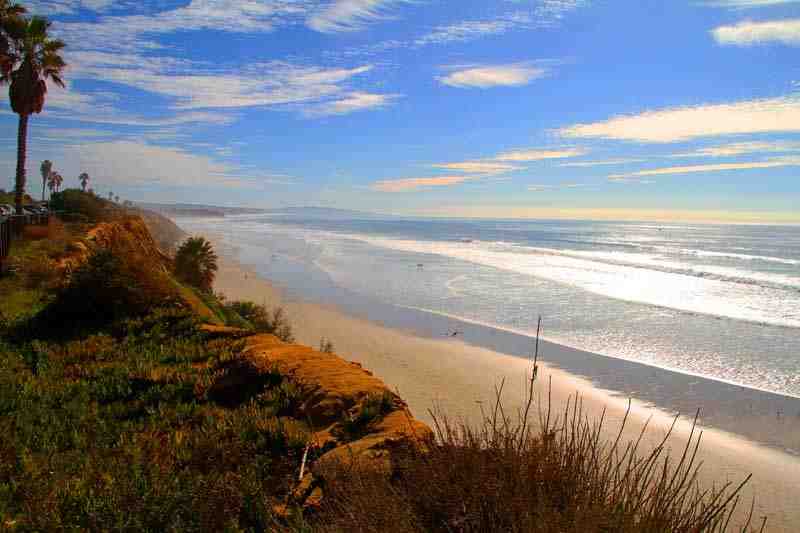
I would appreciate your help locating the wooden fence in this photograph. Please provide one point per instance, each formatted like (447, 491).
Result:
(5, 239)
(11, 228)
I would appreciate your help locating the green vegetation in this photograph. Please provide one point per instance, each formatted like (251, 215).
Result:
(82, 206)
(261, 320)
(196, 263)
(117, 431)
(115, 409)
(354, 426)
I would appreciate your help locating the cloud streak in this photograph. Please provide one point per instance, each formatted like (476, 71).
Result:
(484, 77)
(349, 15)
(416, 184)
(719, 167)
(685, 123)
(742, 148)
(539, 155)
(758, 33)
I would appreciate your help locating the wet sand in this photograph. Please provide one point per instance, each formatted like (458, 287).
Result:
(457, 378)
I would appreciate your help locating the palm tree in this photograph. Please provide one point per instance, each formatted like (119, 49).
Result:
(35, 59)
(46, 169)
(110, 195)
(8, 12)
(84, 178)
(196, 263)
(54, 182)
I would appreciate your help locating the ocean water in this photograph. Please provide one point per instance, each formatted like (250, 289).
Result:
(719, 301)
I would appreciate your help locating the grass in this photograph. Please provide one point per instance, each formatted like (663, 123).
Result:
(120, 432)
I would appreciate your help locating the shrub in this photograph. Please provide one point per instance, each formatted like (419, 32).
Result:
(275, 323)
(503, 477)
(373, 408)
(81, 206)
(109, 287)
(196, 263)
(326, 345)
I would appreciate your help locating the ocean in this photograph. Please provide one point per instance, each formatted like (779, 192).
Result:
(717, 301)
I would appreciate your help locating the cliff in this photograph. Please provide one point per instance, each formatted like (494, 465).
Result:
(354, 416)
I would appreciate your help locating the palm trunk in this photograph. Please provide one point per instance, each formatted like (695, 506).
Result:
(22, 152)
(44, 182)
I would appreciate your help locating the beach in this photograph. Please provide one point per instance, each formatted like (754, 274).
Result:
(456, 379)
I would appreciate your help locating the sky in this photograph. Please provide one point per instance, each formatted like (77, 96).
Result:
(629, 109)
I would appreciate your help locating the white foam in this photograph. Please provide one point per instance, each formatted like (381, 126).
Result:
(738, 299)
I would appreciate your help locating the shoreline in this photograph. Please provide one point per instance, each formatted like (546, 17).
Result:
(456, 378)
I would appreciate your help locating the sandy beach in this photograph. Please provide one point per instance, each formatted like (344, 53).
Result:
(457, 378)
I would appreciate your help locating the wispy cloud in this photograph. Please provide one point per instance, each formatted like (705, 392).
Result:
(720, 167)
(350, 103)
(349, 15)
(606, 162)
(539, 155)
(478, 167)
(131, 33)
(746, 4)
(193, 86)
(483, 77)
(484, 169)
(468, 30)
(415, 184)
(742, 148)
(685, 123)
(131, 163)
(560, 186)
(749, 33)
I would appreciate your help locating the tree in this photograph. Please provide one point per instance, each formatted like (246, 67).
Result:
(54, 182)
(110, 195)
(8, 12)
(196, 263)
(84, 179)
(46, 169)
(34, 59)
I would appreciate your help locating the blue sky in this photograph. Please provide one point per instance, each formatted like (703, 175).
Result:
(579, 108)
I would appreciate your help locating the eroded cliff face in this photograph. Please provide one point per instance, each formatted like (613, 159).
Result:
(128, 234)
(335, 393)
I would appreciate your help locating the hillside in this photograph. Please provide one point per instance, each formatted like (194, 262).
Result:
(130, 400)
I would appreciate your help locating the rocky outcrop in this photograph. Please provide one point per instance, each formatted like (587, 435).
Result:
(334, 393)
(129, 233)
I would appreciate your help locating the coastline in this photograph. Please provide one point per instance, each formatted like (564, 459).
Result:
(456, 378)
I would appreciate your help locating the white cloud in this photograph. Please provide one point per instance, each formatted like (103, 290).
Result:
(753, 33)
(193, 86)
(721, 167)
(483, 77)
(127, 32)
(685, 123)
(469, 30)
(415, 184)
(349, 15)
(137, 164)
(741, 148)
(606, 162)
(747, 4)
(478, 167)
(539, 155)
(350, 103)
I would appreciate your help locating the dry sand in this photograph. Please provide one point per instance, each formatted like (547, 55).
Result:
(458, 378)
